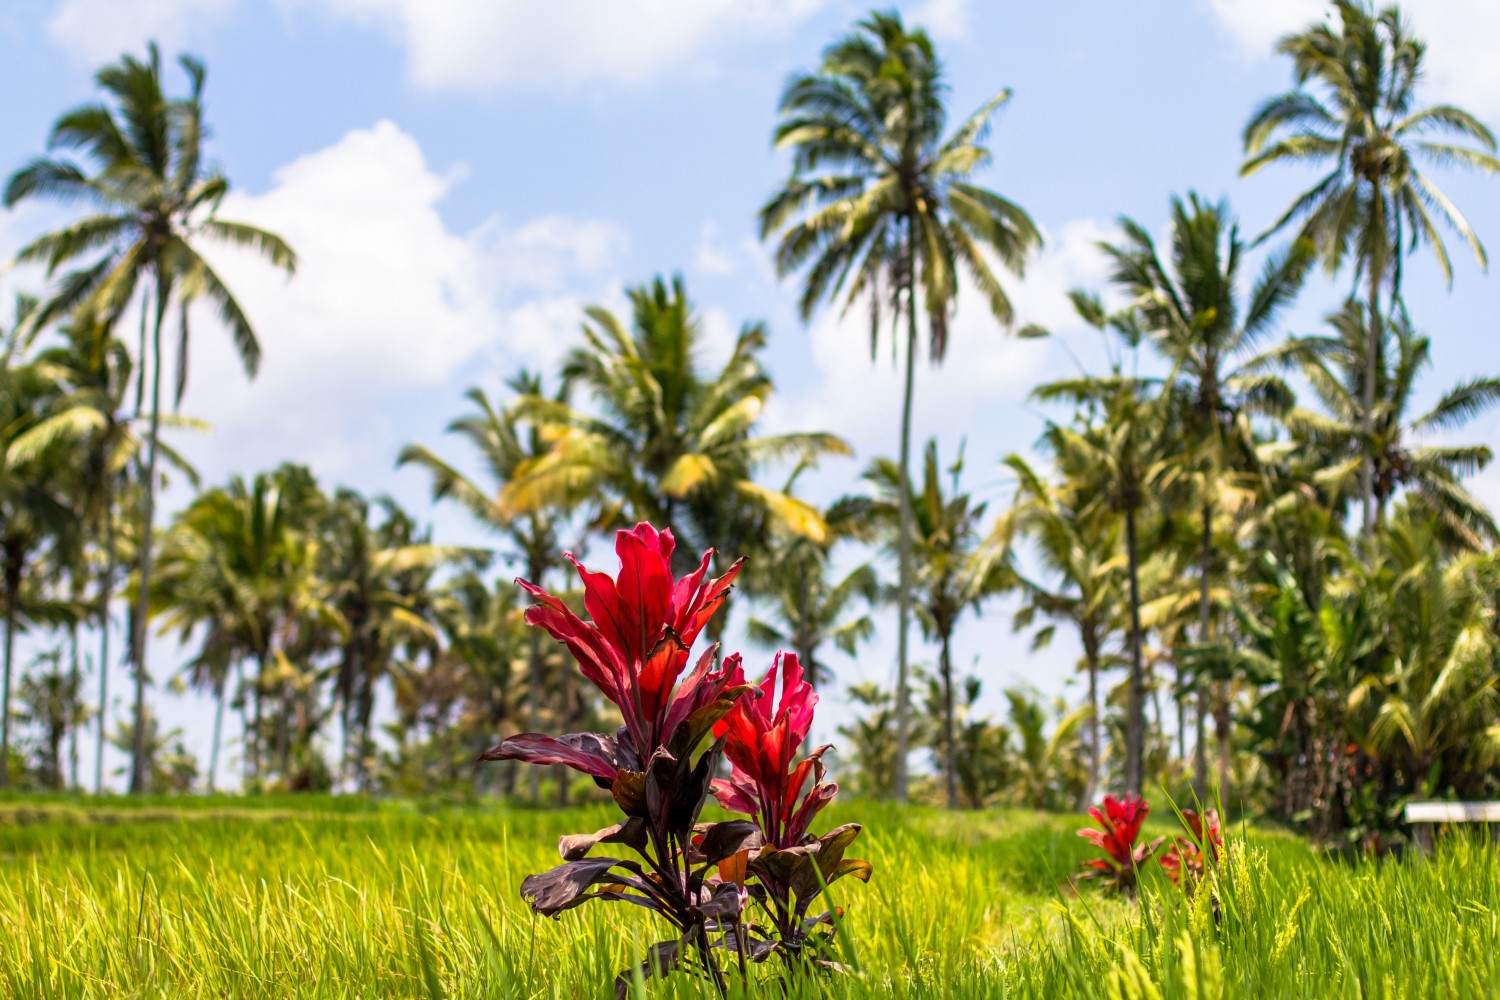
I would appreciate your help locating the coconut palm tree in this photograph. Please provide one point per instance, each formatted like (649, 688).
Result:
(1354, 112)
(1433, 707)
(378, 577)
(153, 200)
(662, 439)
(1191, 314)
(1076, 546)
(881, 209)
(241, 561)
(1044, 764)
(809, 607)
(1390, 439)
(1112, 453)
(33, 512)
(509, 441)
(952, 576)
(92, 416)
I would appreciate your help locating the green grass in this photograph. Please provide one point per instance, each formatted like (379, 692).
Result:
(341, 898)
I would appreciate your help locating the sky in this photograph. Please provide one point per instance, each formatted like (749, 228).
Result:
(460, 177)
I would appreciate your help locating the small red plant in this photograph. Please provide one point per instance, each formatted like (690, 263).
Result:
(783, 795)
(1120, 821)
(659, 766)
(1189, 857)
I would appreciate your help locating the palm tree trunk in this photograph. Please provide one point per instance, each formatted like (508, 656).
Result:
(213, 750)
(1224, 725)
(106, 591)
(1181, 702)
(903, 542)
(1372, 360)
(1205, 624)
(139, 778)
(950, 749)
(12, 600)
(1135, 776)
(1091, 659)
(76, 688)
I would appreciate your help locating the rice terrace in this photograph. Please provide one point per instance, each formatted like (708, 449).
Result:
(698, 499)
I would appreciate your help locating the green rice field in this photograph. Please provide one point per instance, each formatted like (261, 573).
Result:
(344, 898)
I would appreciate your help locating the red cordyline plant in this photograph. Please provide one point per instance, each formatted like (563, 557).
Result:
(1120, 821)
(1189, 857)
(762, 738)
(635, 648)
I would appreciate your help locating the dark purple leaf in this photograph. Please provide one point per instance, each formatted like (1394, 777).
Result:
(808, 882)
(629, 791)
(562, 888)
(591, 753)
(724, 903)
(631, 833)
(726, 839)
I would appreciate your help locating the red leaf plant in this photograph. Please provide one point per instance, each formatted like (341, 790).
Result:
(635, 648)
(762, 737)
(1189, 857)
(1120, 821)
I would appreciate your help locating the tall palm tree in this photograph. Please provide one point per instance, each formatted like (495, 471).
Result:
(1388, 439)
(241, 561)
(153, 199)
(953, 574)
(1113, 453)
(1354, 112)
(508, 441)
(93, 417)
(1191, 313)
(1042, 761)
(881, 207)
(669, 442)
(378, 577)
(809, 607)
(33, 513)
(1435, 703)
(1077, 546)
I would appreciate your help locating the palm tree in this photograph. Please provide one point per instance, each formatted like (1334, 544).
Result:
(1112, 453)
(953, 575)
(809, 607)
(1191, 314)
(1435, 704)
(881, 205)
(1354, 111)
(508, 442)
(241, 561)
(1043, 762)
(32, 512)
(1386, 440)
(668, 442)
(154, 197)
(379, 579)
(1077, 545)
(91, 415)
(51, 700)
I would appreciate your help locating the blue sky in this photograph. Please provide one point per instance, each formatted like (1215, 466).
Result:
(461, 177)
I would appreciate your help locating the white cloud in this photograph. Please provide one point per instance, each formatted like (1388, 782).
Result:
(100, 30)
(481, 44)
(943, 19)
(387, 302)
(1460, 33)
(1257, 24)
(711, 257)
